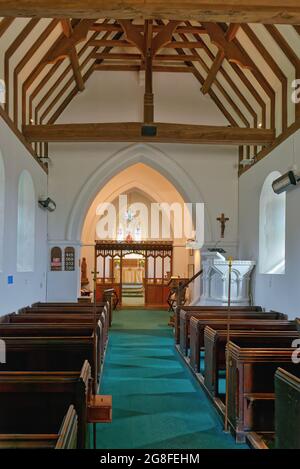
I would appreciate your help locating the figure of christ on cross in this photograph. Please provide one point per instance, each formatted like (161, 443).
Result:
(222, 219)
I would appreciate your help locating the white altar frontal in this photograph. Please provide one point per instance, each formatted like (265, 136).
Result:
(216, 277)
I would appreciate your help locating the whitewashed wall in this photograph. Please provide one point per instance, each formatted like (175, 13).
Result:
(279, 292)
(28, 287)
(109, 97)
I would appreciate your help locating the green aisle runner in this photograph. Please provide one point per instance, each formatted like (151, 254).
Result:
(156, 403)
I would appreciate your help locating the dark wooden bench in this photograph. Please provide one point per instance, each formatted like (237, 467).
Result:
(215, 345)
(34, 402)
(198, 309)
(60, 318)
(62, 353)
(251, 397)
(24, 329)
(102, 311)
(64, 436)
(185, 317)
(197, 327)
(287, 409)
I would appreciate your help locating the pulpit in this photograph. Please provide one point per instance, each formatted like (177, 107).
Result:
(216, 276)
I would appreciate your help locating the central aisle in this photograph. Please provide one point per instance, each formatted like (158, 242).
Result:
(156, 402)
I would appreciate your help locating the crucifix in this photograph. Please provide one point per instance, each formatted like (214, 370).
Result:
(222, 219)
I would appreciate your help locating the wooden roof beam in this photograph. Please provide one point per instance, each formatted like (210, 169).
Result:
(224, 43)
(133, 36)
(138, 57)
(217, 64)
(132, 132)
(243, 11)
(156, 29)
(125, 44)
(68, 32)
(125, 67)
(64, 47)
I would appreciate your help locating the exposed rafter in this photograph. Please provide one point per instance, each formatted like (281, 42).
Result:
(42, 58)
(230, 35)
(68, 31)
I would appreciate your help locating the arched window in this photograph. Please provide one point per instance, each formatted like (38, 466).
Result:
(69, 259)
(272, 227)
(2, 206)
(56, 259)
(2, 92)
(26, 224)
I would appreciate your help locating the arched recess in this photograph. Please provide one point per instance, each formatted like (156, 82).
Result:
(139, 153)
(153, 192)
(272, 228)
(26, 223)
(2, 209)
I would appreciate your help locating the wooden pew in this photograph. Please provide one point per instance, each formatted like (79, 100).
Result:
(251, 397)
(215, 345)
(287, 409)
(73, 308)
(56, 330)
(61, 318)
(198, 309)
(185, 317)
(64, 438)
(62, 353)
(66, 318)
(34, 402)
(197, 328)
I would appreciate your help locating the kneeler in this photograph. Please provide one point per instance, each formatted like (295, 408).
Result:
(99, 411)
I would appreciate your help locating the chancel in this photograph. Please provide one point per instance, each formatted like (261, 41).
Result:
(149, 247)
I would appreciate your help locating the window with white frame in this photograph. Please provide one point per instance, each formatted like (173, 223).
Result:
(272, 228)
(26, 224)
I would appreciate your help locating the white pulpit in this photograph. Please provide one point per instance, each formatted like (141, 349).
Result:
(216, 277)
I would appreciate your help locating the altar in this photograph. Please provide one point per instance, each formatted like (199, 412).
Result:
(215, 280)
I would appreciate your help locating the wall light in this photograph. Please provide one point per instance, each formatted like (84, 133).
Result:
(285, 182)
(47, 204)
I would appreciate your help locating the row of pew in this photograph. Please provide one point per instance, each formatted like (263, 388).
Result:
(253, 374)
(51, 377)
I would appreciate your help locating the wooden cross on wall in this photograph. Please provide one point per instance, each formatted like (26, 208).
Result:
(222, 219)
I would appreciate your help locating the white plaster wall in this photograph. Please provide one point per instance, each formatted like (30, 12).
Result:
(202, 173)
(278, 292)
(28, 287)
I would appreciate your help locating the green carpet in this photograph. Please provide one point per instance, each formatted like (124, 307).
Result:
(156, 402)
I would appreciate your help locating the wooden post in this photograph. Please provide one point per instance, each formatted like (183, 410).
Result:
(95, 386)
(148, 97)
(226, 427)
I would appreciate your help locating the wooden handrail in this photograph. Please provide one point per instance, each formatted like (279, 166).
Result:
(192, 279)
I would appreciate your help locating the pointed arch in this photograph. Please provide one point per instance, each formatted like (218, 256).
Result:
(123, 159)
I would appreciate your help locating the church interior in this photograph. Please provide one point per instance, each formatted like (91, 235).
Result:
(149, 228)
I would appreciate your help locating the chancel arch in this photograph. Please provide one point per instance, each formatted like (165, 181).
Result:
(272, 228)
(145, 190)
(138, 153)
(26, 223)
